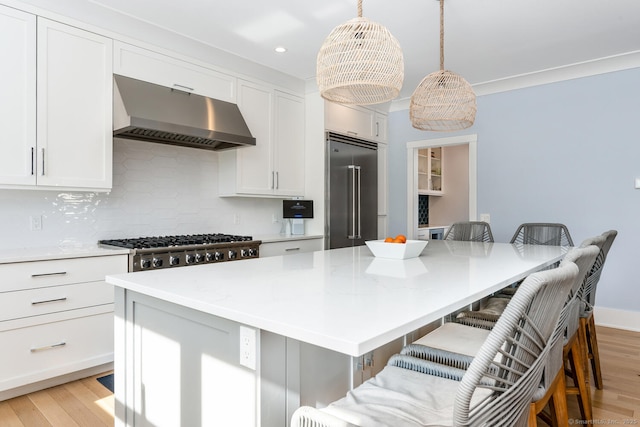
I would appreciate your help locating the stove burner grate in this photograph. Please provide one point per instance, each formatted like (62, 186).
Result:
(175, 241)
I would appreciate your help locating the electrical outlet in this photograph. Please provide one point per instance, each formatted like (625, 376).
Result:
(248, 347)
(236, 218)
(485, 217)
(35, 222)
(274, 219)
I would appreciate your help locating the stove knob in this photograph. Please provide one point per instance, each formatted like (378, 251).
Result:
(157, 262)
(174, 260)
(209, 257)
(191, 258)
(233, 254)
(219, 256)
(199, 258)
(253, 252)
(145, 263)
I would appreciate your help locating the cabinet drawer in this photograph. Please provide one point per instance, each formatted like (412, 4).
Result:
(52, 299)
(44, 351)
(39, 274)
(290, 247)
(132, 61)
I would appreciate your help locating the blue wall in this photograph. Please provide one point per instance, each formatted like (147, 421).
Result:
(565, 152)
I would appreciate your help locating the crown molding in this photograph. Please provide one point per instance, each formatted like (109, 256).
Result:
(593, 67)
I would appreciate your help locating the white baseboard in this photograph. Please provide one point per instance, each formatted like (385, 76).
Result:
(620, 319)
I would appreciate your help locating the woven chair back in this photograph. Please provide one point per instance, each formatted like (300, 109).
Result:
(539, 233)
(470, 231)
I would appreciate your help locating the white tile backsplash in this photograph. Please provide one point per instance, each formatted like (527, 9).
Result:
(157, 190)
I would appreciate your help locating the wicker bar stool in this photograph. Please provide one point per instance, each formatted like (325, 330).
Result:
(454, 345)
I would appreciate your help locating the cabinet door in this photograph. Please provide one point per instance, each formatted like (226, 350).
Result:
(18, 105)
(349, 120)
(153, 67)
(74, 107)
(255, 174)
(380, 127)
(289, 145)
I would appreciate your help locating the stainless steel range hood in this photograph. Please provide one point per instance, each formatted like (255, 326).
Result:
(149, 112)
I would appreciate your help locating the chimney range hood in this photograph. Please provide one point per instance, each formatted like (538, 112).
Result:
(148, 112)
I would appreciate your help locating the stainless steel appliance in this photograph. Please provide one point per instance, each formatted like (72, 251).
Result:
(151, 253)
(351, 191)
(149, 112)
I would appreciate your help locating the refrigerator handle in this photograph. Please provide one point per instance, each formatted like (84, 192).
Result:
(355, 202)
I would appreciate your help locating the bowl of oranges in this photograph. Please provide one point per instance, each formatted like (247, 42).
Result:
(396, 247)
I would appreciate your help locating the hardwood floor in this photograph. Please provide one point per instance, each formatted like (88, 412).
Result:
(86, 403)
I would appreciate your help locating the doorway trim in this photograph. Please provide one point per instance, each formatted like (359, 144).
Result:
(412, 175)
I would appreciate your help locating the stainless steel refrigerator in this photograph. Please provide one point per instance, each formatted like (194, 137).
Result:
(351, 191)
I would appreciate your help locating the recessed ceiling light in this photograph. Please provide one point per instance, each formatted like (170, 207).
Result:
(281, 49)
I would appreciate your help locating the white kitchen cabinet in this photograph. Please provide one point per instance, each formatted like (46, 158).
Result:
(71, 120)
(430, 175)
(274, 167)
(356, 121)
(56, 318)
(153, 67)
(380, 127)
(290, 246)
(18, 104)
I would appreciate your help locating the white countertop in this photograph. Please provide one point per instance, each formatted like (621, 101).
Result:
(55, 252)
(344, 300)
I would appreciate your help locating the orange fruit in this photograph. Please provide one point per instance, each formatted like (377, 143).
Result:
(388, 240)
(401, 238)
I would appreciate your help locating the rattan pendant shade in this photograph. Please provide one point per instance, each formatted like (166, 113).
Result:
(360, 63)
(443, 101)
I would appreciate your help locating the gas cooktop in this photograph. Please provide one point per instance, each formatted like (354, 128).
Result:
(174, 241)
(149, 253)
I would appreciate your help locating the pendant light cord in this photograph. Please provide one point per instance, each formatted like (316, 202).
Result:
(441, 35)
(359, 8)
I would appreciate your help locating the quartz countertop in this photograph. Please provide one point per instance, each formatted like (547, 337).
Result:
(344, 299)
(55, 252)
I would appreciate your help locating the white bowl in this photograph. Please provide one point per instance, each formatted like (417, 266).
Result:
(410, 249)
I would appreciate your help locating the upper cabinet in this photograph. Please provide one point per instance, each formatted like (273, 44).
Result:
(430, 178)
(274, 167)
(18, 105)
(63, 140)
(356, 121)
(142, 64)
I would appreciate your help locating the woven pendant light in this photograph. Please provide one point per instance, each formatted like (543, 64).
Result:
(360, 63)
(443, 101)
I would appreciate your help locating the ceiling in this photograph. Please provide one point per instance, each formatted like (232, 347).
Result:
(485, 40)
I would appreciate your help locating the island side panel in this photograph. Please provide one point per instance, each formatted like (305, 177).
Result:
(180, 367)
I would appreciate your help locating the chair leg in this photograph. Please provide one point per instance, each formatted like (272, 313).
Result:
(581, 386)
(593, 354)
(559, 402)
(556, 398)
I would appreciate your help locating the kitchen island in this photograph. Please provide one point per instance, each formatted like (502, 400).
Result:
(246, 343)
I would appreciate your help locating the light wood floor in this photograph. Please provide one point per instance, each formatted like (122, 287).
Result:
(86, 403)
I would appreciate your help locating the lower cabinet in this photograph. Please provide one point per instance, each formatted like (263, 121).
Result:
(56, 318)
(290, 246)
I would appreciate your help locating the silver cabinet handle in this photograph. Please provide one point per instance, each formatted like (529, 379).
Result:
(49, 300)
(190, 89)
(292, 249)
(33, 158)
(277, 181)
(377, 128)
(57, 273)
(42, 152)
(273, 180)
(48, 347)
(350, 132)
(358, 198)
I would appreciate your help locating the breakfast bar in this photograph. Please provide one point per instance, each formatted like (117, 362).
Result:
(247, 343)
